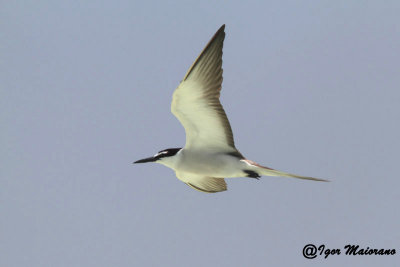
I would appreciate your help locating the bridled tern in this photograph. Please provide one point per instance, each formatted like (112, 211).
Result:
(209, 154)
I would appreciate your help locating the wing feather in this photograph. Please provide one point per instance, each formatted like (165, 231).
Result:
(203, 183)
(196, 100)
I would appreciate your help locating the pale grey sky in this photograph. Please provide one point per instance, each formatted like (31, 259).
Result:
(310, 87)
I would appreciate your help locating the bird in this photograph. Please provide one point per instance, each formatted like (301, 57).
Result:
(209, 155)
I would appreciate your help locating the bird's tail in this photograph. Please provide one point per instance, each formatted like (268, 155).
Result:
(271, 172)
(262, 170)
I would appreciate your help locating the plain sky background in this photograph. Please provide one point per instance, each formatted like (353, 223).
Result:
(310, 87)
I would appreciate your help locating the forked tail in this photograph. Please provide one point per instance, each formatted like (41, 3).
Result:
(262, 170)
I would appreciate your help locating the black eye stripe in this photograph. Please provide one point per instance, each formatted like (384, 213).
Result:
(167, 152)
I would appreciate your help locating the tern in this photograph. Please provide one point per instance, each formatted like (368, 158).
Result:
(209, 154)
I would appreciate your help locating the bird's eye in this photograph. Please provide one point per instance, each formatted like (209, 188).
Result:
(160, 153)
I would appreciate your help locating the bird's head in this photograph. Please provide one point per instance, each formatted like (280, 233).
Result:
(163, 156)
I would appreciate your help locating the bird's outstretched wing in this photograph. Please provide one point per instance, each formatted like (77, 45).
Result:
(203, 183)
(196, 100)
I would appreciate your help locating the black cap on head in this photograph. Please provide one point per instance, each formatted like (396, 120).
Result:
(161, 154)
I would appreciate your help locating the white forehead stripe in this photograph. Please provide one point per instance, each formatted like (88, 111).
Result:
(163, 152)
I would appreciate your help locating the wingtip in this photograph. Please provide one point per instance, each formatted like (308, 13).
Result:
(221, 29)
(219, 36)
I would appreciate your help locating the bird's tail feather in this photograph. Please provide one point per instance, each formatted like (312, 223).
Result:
(271, 172)
(262, 170)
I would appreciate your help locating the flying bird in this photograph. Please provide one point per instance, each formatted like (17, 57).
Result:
(209, 154)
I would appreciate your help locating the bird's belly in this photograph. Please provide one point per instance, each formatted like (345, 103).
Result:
(212, 165)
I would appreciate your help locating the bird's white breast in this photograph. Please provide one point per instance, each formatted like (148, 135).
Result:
(209, 163)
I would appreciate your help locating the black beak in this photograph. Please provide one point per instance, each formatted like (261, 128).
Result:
(151, 159)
